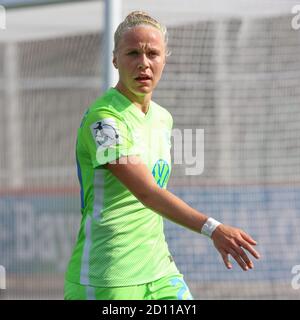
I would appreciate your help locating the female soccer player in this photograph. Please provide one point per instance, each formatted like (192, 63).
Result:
(123, 158)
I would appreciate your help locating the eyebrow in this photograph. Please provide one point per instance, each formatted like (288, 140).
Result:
(139, 48)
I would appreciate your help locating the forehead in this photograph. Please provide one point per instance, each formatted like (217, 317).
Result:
(141, 36)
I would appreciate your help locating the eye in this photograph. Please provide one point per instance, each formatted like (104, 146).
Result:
(153, 54)
(133, 53)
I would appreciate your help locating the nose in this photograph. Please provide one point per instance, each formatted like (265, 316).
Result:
(143, 62)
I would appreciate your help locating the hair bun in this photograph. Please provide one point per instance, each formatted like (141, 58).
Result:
(137, 13)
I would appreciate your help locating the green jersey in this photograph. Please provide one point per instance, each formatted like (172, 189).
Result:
(120, 242)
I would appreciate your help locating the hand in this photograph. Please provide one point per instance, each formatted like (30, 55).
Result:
(229, 240)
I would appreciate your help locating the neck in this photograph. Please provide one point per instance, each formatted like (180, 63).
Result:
(140, 101)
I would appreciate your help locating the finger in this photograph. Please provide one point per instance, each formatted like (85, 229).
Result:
(248, 238)
(226, 260)
(238, 259)
(248, 247)
(244, 256)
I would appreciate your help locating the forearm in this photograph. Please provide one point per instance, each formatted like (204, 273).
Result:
(228, 240)
(168, 205)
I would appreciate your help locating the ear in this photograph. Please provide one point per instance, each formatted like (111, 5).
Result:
(164, 63)
(114, 61)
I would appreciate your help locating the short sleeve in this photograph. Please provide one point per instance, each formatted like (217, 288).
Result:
(107, 137)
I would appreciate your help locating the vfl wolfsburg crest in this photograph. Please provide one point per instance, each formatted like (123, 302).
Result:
(160, 172)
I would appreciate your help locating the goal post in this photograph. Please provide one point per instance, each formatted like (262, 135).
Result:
(19, 4)
(113, 16)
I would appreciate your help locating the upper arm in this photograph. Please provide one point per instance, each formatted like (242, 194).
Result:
(135, 175)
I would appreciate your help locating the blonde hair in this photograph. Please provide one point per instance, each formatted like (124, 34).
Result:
(138, 18)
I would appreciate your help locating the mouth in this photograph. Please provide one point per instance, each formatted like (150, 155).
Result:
(143, 78)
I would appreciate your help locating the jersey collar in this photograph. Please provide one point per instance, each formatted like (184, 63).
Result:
(138, 112)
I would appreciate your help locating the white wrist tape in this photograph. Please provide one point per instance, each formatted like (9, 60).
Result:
(209, 227)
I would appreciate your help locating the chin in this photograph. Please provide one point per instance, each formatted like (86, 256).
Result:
(143, 90)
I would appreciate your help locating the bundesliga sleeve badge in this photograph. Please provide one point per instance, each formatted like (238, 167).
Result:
(105, 133)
